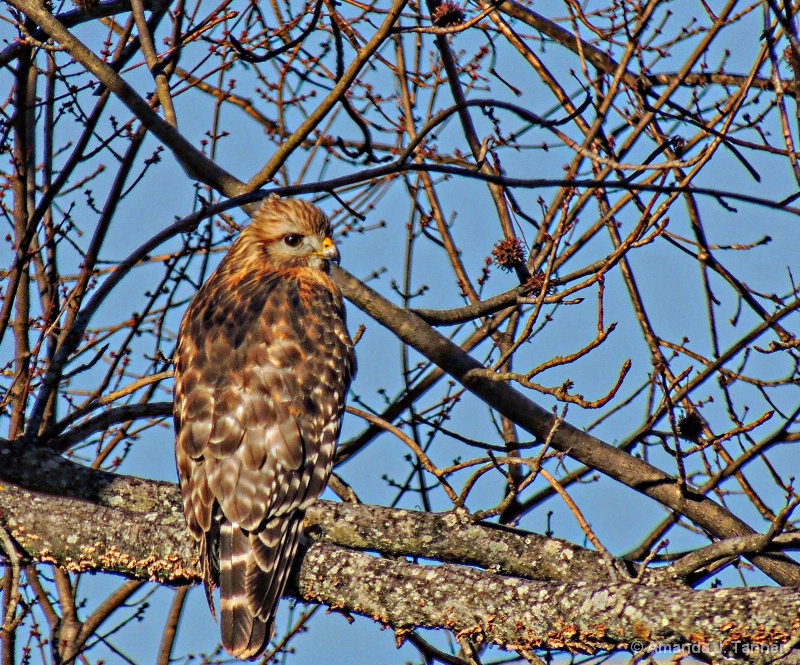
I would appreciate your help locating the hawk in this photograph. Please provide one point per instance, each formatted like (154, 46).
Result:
(262, 368)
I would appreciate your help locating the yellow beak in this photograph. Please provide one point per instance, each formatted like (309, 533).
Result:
(329, 250)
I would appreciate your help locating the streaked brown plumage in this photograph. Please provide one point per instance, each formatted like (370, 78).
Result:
(262, 368)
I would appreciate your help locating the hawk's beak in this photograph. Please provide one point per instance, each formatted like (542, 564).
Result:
(329, 250)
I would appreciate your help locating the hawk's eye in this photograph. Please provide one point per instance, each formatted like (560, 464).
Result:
(293, 239)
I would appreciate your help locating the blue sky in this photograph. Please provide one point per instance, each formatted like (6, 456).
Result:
(670, 284)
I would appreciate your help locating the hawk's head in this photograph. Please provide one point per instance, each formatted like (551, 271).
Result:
(290, 233)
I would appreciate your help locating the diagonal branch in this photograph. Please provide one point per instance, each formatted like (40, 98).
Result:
(342, 86)
(581, 446)
(191, 159)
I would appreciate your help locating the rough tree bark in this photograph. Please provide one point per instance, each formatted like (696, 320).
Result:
(522, 599)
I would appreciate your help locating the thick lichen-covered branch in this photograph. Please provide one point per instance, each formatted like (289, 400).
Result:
(523, 614)
(42, 493)
(93, 521)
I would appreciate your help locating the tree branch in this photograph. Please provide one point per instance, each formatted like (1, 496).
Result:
(190, 158)
(135, 527)
(522, 614)
(53, 498)
(512, 612)
(581, 446)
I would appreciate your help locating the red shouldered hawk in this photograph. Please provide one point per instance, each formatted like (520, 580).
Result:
(261, 371)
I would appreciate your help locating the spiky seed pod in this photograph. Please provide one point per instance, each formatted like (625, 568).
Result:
(509, 253)
(690, 426)
(447, 15)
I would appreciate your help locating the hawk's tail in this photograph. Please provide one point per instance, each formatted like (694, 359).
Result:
(253, 571)
(243, 634)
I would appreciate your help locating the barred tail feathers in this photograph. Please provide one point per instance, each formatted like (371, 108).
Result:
(244, 635)
(274, 548)
(254, 569)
